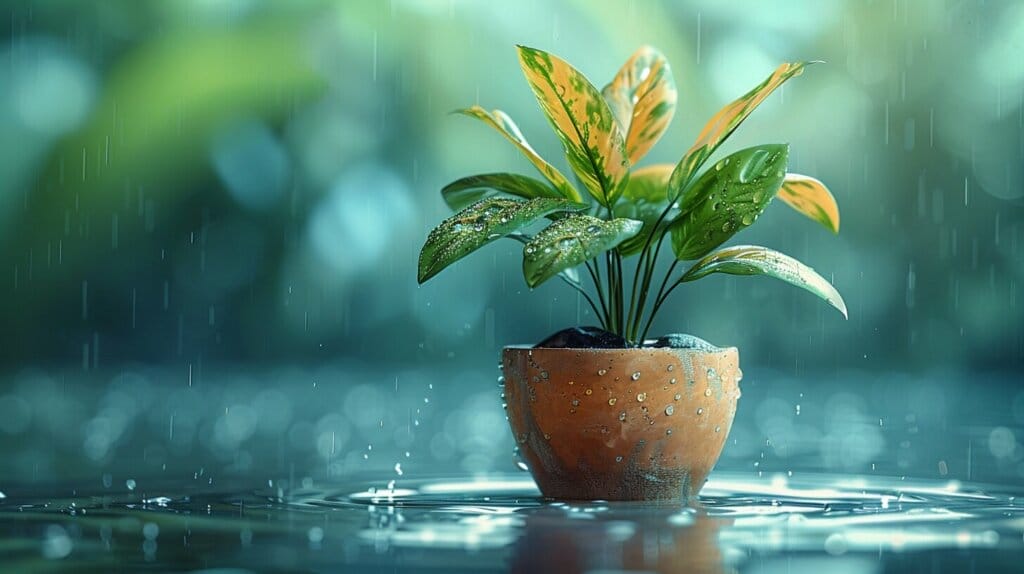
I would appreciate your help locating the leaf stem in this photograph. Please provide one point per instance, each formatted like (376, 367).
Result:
(662, 296)
(595, 275)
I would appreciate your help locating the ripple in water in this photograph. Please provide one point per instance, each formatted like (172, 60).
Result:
(502, 521)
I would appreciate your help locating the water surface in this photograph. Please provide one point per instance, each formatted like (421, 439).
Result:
(500, 523)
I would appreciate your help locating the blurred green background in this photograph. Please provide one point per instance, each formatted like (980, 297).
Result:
(228, 197)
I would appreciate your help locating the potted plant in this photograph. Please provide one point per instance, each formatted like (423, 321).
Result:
(606, 413)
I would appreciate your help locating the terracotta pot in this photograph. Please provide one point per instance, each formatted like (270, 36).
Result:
(621, 424)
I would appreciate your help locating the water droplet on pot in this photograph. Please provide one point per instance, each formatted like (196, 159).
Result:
(522, 466)
(588, 392)
(669, 410)
(612, 401)
(707, 392)
(672, 380)
(717, 429)
(622, 416)
(547, 436)
(602, 372)
(618, 459)
(640, 397)
(543, 374)
(700, 411)
(635, 376)
(671, 367)
(668, 431)
(575, 402)
(678, 396)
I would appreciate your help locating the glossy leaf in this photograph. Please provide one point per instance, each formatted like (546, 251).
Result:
(811, 198)
(500, 121)
(570, 275)
(468, 190)
(480, 224)
(725, 122)
(644, 199)
(754, 260)
(571, 241)
(594, 145)
(642, 96)
(727, 198)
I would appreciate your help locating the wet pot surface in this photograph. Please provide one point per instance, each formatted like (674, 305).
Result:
(620, 424)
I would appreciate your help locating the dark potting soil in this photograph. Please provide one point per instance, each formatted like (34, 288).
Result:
(598, 338)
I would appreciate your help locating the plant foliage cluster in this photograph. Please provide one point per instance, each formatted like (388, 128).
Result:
(629, 211)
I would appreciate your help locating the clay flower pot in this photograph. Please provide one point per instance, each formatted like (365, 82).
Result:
(621, 424)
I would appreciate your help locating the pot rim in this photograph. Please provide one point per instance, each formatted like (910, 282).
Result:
(526, 347)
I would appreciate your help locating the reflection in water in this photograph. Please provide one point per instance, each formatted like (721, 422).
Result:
(502, 524)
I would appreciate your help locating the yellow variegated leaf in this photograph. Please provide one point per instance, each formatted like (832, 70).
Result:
(593, 143)
(642, 96)
(811, 198)
(725, 122)
(500, 121)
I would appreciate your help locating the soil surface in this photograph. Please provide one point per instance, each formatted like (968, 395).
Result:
(598, 338)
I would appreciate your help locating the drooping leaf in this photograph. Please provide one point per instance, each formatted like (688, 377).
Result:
(642, 96)
(480, 224)
(754, 260)
(594, 145)
(500, 121)
(468, 190)
(723, 123)
(570, 274)
(645, 199)
(726, 198)
(811, 198)
(571, 241)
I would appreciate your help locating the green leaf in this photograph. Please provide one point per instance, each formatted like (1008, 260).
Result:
(727, 198)
(571, 275)
(642, 96)
(480, 224)
(571, 241)
(811, 198)
(580, 117)
(725, 122)
(645, 199)
(500, 121)
(463, 192)
(754, 260)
